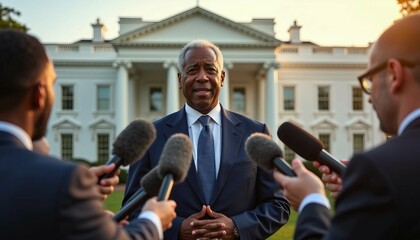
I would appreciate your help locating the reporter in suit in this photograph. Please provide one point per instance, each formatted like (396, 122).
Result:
(106, 185)
(44, 198)
(379, 198)
(242, 202)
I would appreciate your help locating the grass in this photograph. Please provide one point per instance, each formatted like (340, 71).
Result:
(113, 203)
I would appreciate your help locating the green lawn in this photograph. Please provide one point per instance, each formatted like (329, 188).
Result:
(113, 203)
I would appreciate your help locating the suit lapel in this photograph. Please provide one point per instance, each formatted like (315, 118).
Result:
(231, 143)
(179, 124)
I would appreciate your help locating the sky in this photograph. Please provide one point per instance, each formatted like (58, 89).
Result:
(324, 22)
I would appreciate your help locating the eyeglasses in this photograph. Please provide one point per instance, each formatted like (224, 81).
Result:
(365, 78)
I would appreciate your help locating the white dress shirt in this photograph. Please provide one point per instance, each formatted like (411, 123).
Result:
(17, 132)
(194, 129)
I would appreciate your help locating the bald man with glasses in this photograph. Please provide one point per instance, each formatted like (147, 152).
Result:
(379, 198)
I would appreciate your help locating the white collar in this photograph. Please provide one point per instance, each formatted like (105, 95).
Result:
(17, 132)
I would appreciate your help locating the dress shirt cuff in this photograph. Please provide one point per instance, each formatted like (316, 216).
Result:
(315, 198)
(153, 217)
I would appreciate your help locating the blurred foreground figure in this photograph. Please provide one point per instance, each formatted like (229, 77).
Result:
(379, 197)
(45, 198)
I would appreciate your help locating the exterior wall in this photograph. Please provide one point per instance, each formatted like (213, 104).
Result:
(311, 66)
(304, 66)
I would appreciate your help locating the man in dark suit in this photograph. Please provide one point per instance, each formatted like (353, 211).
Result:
(379, 198)
(241, 201)
(43, 198)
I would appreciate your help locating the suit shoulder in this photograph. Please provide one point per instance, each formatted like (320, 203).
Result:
(246, 121)
(164, 120)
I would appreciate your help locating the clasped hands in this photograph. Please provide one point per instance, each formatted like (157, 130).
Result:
(217, 226)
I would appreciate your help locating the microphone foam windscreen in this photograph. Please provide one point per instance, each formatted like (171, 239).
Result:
(262, 150)
(300, 141)
(176, 157)
(151, 182)
(134, 140)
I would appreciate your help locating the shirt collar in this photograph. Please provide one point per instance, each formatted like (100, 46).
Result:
(17, 132)
(193, 115)
(408, 119)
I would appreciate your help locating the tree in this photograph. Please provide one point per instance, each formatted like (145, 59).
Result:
(409, 6)
(7, 19)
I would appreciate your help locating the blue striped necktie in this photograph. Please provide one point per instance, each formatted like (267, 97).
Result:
(205, 158)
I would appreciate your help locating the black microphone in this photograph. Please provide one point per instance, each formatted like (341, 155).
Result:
(174, 163)
(150, 184)
(266, 153)
(131, 144)
(308, 146)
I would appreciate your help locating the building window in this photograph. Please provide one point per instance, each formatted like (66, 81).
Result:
(67, 146)
(156, 99)
(103, 148)
(325, 139)
(67, 97)
(323, 98)
(289, 155)
(289, 98)
(358, 142)
(239, 99)
(103, 95)
(357, 99)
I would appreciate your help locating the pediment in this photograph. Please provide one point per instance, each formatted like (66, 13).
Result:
(324, 123)
(358, 123)
(101, 124)
(196, 23)
(66, 123)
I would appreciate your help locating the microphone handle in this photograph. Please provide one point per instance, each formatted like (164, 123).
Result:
(166, 187)
(283, 167)
(131, 205)
(118, 162)
(138, 192)
(334, 164)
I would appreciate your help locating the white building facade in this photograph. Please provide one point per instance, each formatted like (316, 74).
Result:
(103, 85)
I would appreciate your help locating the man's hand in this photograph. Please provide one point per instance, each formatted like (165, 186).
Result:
(106, 185)
(219, 227)
(164, 209)
(186, 230)
(297, 188)
(332, 180)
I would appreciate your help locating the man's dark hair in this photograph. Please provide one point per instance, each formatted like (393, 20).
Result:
(22, 59)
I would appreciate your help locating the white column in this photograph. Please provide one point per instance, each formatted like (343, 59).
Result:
(272, 110)
(225, 92)
(261, 95)
(172, 89)
(121, 95)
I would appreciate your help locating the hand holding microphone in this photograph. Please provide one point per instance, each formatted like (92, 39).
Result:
(174, 164)
(131, 144)
(307, 146)
(266, 153)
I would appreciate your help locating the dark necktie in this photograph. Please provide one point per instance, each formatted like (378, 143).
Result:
(205, 158)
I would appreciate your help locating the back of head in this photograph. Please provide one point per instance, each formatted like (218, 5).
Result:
(22, 59)
(401, 40)
(199, 44)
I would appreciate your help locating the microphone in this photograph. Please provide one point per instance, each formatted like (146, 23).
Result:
(307, 146)
(150, 184)
(131, 144)
(174, 163)
(267, 154)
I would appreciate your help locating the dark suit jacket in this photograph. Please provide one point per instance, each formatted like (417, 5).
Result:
(45, 198)
(380, 196)
(243, 191)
